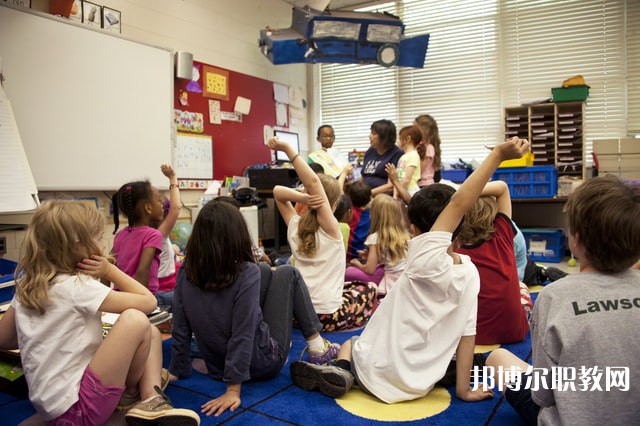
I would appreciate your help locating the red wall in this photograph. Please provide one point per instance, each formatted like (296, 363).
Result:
(235, 145)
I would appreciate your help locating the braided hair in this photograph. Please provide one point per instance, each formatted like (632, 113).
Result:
(127, 199)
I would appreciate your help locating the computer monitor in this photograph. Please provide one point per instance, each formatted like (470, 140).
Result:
(290, 138)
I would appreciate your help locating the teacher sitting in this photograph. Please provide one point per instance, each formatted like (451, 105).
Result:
(383, 150)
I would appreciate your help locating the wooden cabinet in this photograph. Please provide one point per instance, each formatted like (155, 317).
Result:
(556, 134)
(620, 157)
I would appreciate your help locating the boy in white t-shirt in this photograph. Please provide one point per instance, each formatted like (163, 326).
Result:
(431, 312)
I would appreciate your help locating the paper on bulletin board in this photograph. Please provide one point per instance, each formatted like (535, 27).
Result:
(243, 105)
(295, 97)
(214, 112)
(231, 116)
(194, 156)
(282, 115)
(281, 93)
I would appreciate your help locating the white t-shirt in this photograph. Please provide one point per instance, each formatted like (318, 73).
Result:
(407, 345)
(57, 347)
(167, 259)
(391, 272)
(324, 272)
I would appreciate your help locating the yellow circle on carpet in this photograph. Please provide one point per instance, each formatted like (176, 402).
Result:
(481, 349)
(360, 404)
(535, 288)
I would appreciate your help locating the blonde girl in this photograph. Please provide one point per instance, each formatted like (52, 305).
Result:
(316, 242)
(74, 375)
(387, 244)
(429, 150)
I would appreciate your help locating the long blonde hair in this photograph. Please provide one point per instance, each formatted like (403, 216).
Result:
(387, 220)
(60, 234)
(478, 221)
(309, 225)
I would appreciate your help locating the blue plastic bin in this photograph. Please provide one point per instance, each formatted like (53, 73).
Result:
(455, 175)
(7, 287)
(530, 182)
(545, 244)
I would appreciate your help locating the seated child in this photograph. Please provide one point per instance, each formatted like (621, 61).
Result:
(241, 314)
(169, 264)
(360, 194)
(486, 237)
(431, 312)
(343, 214)
(386, 246)
(584, 325)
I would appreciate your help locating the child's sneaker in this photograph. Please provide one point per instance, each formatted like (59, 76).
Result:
(332, 381)
(129, 401)
(327, 356)
(158, 410)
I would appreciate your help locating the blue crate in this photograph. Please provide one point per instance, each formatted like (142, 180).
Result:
(7, 287)
(455, 175)
(545, 244)
(530, 182)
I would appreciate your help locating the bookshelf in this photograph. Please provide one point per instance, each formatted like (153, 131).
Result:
(556, 134)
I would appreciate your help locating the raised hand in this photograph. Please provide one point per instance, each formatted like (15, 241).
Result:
(167, 170)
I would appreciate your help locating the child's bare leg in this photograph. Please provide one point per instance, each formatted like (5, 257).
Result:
(122, 355)
(153, 366)
(505, 359)
(345, 351)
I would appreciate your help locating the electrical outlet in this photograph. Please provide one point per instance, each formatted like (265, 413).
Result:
(3, 245)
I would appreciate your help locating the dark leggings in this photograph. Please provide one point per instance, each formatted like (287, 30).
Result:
(283, 298)
(359, 301)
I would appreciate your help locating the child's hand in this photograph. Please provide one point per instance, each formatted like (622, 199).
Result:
(219, 405)
(347, 170)
(96, 266)
(315, 201)
(474, 395)
(167, 170)
(391, 172)
(512, 148)
(276, 144)
(363, 255)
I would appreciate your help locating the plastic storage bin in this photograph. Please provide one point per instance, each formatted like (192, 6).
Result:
(530, 182)
(570, 94)
(545, 245)
(524, 161)
(7, 286)
(455, 175)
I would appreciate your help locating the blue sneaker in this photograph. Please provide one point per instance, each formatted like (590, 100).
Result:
(327, 356)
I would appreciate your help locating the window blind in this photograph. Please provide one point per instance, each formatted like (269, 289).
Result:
(486, 55)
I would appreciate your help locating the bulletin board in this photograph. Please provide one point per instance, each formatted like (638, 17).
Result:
(236, 144)
(193, 156)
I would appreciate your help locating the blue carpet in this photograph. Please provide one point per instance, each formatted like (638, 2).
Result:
(278, 402)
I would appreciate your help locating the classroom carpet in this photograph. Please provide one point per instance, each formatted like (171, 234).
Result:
(279, 402)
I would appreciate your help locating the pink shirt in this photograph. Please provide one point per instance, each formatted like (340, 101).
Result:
(128, 246)
(426, 167)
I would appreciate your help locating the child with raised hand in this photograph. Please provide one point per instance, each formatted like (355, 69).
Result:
(431, 312)
(386, 245)
(74, 375)
(241, 314)
(585, 324)
(167, 271)
(487, 237)
(137, 247)
(316, 243)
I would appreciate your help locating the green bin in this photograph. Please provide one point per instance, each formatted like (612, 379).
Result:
(570, 94)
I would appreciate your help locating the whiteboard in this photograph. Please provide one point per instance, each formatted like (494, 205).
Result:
(94, 110)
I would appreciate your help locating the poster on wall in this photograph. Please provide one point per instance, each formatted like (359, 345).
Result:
(91, 14)
(215, 83)
(194, 156)
(111, 20)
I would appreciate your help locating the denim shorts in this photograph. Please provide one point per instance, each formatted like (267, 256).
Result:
(96, 402)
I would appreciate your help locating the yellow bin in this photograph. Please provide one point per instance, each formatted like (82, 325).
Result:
(525, 161)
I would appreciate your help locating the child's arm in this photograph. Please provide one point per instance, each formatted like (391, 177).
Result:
(346, 171)
(386, 188)
(228, 400)
(144, 266)
(400, 187)
(470, 190)
(284, 198)
(312, 184)
(8, 333)
(174, 201)
(132, 294)
(372, 260)
(500, 190)
(464, 364)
